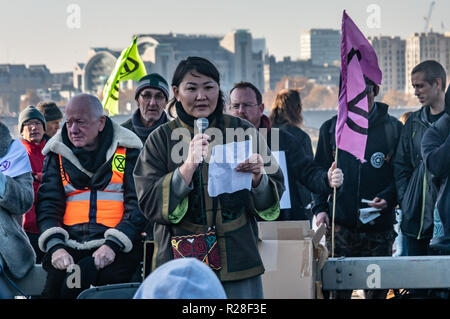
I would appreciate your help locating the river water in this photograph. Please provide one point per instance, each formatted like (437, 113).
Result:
(313, 119)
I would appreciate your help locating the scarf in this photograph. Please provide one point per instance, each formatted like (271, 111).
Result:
(143, 131)
(92, 160)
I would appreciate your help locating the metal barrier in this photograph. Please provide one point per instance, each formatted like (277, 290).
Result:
(414, 272)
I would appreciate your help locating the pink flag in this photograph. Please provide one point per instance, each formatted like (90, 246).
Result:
(358, 59)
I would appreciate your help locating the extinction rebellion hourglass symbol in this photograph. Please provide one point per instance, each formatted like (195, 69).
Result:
(119, 163)
(4, 165)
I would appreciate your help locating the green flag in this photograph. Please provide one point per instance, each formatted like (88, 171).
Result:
(129, 66)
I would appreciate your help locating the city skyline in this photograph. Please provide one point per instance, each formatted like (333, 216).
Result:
(81, 25)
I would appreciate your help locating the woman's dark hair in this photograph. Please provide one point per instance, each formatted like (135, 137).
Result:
(202, 66)
(287, 108)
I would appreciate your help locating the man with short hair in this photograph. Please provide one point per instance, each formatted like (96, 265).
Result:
(416, 192)
(246, 103)
(357, 235)
(87, 211)
(53, 117)
(152, 94)
(32, 125)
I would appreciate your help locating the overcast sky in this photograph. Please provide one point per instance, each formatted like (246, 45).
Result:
(49, 31)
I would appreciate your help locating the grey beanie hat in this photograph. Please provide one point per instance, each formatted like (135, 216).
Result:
(5, 139)
(154, 81)
(30, 112)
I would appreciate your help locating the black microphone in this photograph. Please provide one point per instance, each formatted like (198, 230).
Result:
(202, 124)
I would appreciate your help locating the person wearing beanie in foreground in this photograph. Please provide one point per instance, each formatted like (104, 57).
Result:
(16, 197)
(151, 95)
(32, 127)
(183, 278)
(53, 117)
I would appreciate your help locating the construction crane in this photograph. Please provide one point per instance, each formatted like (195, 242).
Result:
(428, 19)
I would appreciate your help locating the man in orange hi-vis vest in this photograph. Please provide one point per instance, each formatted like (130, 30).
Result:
(87, 209)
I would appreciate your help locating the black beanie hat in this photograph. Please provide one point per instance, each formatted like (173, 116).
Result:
(30, 112)
(154, 81)
(50, 111)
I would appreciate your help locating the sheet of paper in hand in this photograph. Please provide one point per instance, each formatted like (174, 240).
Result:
(222, 176)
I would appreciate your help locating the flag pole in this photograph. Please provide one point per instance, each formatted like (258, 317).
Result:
(334, 209)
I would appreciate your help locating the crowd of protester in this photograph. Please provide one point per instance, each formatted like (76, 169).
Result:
(89, 192)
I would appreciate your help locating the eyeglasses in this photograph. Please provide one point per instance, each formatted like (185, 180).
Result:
(159, 97)
(245, 106)
(33, 123)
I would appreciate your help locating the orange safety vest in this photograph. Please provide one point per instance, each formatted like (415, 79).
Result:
(109, 207)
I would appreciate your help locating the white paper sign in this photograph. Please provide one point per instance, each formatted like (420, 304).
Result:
(366, 215)
(222, 174)
(285, 201)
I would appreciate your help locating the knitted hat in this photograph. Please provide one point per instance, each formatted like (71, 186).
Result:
(50, 110)
(5, 139)
(30, 112)
(181, 278)
(154, 81)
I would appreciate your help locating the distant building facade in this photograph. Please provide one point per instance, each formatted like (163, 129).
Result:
(391, 60)
(321, 46)
(320, 74)
(426, 46)
(16, 79)
(233, 55)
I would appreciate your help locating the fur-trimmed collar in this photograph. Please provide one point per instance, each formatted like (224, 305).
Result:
(122, 137)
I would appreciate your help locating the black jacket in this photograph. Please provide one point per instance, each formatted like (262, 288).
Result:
(436, 154)
(416, 192)
(374, 178)
(296, 162)
(52, 200)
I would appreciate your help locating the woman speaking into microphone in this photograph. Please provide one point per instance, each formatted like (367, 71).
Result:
(219, 230)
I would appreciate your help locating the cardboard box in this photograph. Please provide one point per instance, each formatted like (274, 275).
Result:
(291, 253)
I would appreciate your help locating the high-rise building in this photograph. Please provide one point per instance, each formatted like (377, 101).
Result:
(321, 46)
(426, 46)
(391, 60)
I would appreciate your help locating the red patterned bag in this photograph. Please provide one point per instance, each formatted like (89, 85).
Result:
(202, 246)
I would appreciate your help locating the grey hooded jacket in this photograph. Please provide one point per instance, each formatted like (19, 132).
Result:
(16, 198)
